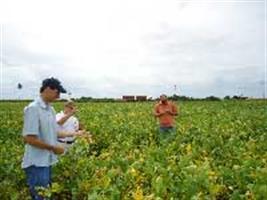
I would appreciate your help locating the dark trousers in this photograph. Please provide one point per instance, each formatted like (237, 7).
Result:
(166, 133)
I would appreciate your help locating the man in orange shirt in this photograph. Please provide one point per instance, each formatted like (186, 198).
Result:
(165, 111)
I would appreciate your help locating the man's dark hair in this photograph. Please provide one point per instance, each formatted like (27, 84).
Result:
(52, 83)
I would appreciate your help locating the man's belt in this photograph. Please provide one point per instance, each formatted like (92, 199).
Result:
(66, 142)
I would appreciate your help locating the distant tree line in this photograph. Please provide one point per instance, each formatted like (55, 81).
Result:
(86, 99)
(209, 98)
(173, 98)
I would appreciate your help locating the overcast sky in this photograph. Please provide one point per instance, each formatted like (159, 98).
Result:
(112, 48)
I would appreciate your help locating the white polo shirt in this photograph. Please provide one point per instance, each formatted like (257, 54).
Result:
(70, 125)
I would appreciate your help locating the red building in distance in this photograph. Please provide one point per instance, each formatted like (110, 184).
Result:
(128, 98)
(134, 98)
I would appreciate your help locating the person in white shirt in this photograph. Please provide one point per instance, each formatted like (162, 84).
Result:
(66, 121)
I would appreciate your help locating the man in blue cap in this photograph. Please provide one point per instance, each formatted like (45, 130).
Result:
(40, 136)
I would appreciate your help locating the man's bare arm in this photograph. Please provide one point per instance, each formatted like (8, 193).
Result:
(64, 119)
(157, 113)
(34, 141)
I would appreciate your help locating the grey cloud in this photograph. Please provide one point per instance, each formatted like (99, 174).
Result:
(220, 59)
(17, 53)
